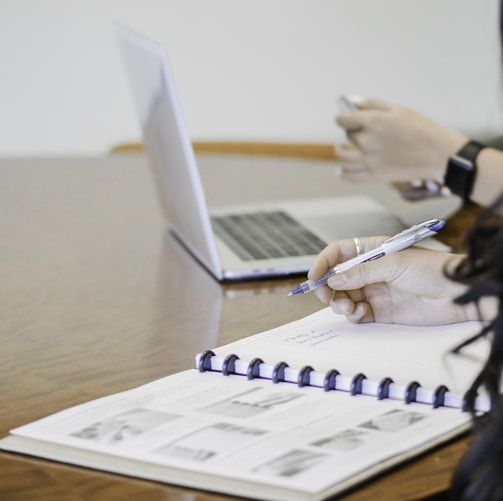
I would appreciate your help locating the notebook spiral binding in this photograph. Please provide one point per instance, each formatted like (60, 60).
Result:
(356, 384)
(304, 376)
(330, 380)
(278, 373)
(204, 362)
(229, 365)
(383, 389)
(253, 370)
(411, 392)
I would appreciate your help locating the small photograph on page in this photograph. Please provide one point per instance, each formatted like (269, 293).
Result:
(344, 441)
(252, 402)
(120, 428)
(211, 441)
(393, 421)
(292, 463)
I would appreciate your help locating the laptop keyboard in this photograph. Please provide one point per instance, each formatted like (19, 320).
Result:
(266, 235)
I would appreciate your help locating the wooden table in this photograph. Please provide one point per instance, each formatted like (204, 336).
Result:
(96, 297)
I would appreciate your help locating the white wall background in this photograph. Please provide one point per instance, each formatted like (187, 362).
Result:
(249, 70)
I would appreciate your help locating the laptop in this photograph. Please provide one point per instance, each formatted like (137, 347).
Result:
(229, 243)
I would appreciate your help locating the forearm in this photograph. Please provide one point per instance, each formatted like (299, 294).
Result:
(489, 179)
(394, 143)
(443, 143)
(488, 183)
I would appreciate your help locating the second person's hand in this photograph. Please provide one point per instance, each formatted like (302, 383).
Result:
(393, 143)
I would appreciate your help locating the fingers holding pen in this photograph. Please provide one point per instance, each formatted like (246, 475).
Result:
(342, 250)
(341, 303)
(362, 314)
(353, 305)
(328, 258)
(335, 253)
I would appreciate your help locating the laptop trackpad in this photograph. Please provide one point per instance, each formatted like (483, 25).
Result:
(359, 224)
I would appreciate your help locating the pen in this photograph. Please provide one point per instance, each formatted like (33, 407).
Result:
(400, 241)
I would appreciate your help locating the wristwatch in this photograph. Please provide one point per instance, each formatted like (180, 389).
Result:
(462, 169)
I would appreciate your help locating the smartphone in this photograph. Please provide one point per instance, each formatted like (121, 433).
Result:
(348, 104)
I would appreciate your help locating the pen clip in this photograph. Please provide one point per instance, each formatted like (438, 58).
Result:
(433, 226)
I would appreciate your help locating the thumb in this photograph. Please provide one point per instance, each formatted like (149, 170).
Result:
(350, 121)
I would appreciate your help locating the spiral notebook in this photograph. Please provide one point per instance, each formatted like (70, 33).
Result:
(301, 412)
(324, 350)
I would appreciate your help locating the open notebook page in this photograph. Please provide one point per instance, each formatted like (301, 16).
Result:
(326, 341)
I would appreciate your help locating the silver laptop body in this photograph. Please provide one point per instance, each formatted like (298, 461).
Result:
(181, 194)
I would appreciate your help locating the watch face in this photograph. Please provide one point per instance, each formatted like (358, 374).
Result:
(462, 163)
(462, 168)
(460, 176)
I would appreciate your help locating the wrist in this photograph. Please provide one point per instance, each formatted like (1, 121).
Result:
(445, 146)
(461, 169)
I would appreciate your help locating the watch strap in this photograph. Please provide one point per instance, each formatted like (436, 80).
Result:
(470, 150)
